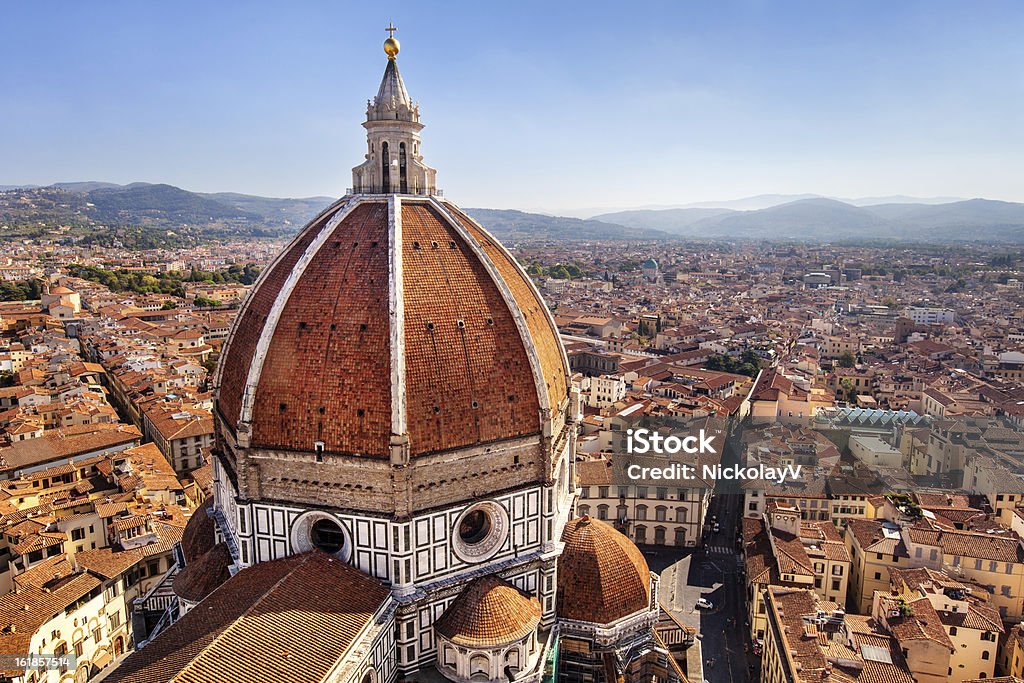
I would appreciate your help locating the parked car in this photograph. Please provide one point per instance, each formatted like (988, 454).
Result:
(704, 603)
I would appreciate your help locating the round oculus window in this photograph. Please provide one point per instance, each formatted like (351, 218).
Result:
(474, 527)
(327, 535)
(480, 531)
(318, 530)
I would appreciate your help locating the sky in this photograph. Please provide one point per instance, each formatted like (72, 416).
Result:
(556, 106)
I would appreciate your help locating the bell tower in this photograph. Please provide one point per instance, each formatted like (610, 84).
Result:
(393, 163)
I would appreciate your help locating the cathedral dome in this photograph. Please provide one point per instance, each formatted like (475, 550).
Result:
(489, 612)
(602, 576)
(390, 317)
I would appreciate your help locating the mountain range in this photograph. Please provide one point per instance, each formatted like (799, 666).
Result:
(96, 210)
(821, 219)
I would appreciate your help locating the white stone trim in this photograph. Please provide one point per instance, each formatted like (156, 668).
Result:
(396, 314)
(510, 303)
(536, 292)
(259, 281)
(270, 326)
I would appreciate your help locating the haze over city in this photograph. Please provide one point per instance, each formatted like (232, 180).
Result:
(569, 108)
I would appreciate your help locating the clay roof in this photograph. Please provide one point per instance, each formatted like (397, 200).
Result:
(204, 574)
(327, 372)
(33, 606)
(489, 612)
(285, 621)
(602, 576)
(67, 442)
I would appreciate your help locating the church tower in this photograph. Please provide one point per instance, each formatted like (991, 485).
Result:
(393, 160)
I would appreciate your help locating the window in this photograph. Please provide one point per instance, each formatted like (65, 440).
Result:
(681, 515)
(662, 493)
(602, 512)
(77, 534)
(623, 491)
(952, 630)
(641, 491)
(837, 570)
(660, 513)
(602, 491)
(659, 535)
(986, 654)
(836, 584)
(478, 668)
(584, 510)
(327, 535)
(878, 576)
(584, 492)
(640, 534)
(641, 512)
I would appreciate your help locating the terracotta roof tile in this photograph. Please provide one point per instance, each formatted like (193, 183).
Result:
(285, 621)
(602, 576)
(489, 612)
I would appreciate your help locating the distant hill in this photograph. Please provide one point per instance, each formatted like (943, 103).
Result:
(147, 215)
(507, 224)
(821, 219)
(673, 221)
(294, 212)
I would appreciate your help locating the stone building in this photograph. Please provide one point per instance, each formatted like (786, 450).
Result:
(393, 470)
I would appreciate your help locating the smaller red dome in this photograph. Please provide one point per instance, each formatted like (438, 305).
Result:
(602, 576)
(489, 612)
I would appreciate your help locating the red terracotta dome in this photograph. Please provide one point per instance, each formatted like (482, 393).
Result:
(390, 316)
(489, 612)
(602, 576)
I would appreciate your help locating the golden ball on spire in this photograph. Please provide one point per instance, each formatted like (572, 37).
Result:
(391, 47)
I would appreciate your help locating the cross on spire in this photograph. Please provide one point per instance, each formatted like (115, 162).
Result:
(391, 29)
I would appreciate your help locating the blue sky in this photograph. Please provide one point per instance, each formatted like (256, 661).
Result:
(533, 105)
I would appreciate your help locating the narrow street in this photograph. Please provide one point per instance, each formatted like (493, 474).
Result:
(713, 572)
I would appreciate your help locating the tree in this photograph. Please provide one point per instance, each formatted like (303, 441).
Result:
(847, 360)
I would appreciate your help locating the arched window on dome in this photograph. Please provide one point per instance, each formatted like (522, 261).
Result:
(479, 668)
(385, 168)
(512, 659)
(451, 657)
(402, 174)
